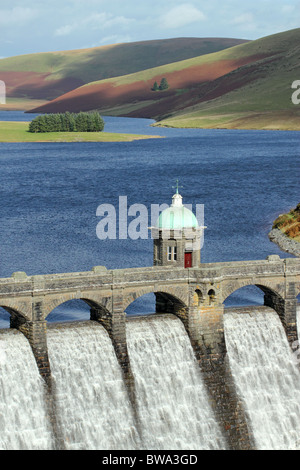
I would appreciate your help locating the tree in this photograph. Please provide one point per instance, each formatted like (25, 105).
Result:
(81, 122)
(163, 84)
(155, 86)
(98, 122)
(34, 126)
(42, 121)
(63, 123)
(72, 123)
(67, 122)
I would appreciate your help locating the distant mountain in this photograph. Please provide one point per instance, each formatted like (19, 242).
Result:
(244, 86)
(45, 76)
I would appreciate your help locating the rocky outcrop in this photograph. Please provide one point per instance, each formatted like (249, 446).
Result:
(285, 243)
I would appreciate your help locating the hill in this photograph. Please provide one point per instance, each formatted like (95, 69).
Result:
(254, 96)
(45, 76)
(245, 86)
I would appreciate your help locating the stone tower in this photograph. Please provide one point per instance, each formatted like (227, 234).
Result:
(177, 236)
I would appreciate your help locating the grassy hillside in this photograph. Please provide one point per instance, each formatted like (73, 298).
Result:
(289, 223)
(245, 86)
(132, 95)
(45, 76)
(255, 96)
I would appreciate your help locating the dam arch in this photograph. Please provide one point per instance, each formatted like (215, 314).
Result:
(265, 287)
(143, 305)
(169, 293)
(275, 297)
(16, 316)
(99, 303)
(71, 310)
(249, 295)
(165, 302)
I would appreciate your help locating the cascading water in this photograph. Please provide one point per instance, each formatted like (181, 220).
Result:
(173, 404)
(23, 420)
(266, 376)
(93, 408)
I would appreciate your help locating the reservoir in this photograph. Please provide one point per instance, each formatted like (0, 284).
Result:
(50, 193)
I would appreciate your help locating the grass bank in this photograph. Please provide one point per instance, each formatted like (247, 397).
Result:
(289, 224)
(281, 120)
(18, 132)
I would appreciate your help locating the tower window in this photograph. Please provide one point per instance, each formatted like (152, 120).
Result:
(172, 253)
(211, 296)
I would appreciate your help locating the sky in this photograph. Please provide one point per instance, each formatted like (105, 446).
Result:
(28, 26)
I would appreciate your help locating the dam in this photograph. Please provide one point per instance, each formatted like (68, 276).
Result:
(115, 382)
(193, 375)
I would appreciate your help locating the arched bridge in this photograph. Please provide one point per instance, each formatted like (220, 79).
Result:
(194, 295)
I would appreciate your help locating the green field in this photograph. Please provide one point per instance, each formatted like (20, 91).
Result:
(18, 132)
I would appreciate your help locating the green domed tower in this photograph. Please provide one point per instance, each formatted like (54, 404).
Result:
(177, 236)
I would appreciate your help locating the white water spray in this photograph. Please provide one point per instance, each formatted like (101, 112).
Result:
(93, 409)
(173, 404)
(23, 421)
(266, 376)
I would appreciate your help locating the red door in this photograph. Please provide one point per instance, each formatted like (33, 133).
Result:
(188, 260)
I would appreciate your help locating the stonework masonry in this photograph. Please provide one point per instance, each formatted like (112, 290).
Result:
(195, 295)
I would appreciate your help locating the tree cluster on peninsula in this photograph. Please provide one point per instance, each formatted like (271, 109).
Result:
(67, 122)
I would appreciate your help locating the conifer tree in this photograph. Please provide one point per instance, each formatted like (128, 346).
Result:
(163, 84)
(67, 122)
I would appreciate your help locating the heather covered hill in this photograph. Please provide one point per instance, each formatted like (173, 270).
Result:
(254, 96)
(132, 95)
(245, 86)
(45, 76)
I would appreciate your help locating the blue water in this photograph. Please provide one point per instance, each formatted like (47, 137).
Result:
(50, 193)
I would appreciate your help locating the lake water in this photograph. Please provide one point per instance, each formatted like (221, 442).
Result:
(50, 193)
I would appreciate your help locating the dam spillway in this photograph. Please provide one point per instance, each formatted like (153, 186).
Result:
(266, 375)
(23, 415)
(93, 410)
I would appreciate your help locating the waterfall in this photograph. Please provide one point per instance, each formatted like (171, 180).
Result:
(93, 409)
(266, 376)
(173, 404)
(23, 421)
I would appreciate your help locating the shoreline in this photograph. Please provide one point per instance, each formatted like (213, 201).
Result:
(284, 243)
(17, 132)
(226, 128)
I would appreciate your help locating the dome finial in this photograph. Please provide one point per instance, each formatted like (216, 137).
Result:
(177, 198)
(177, 186)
